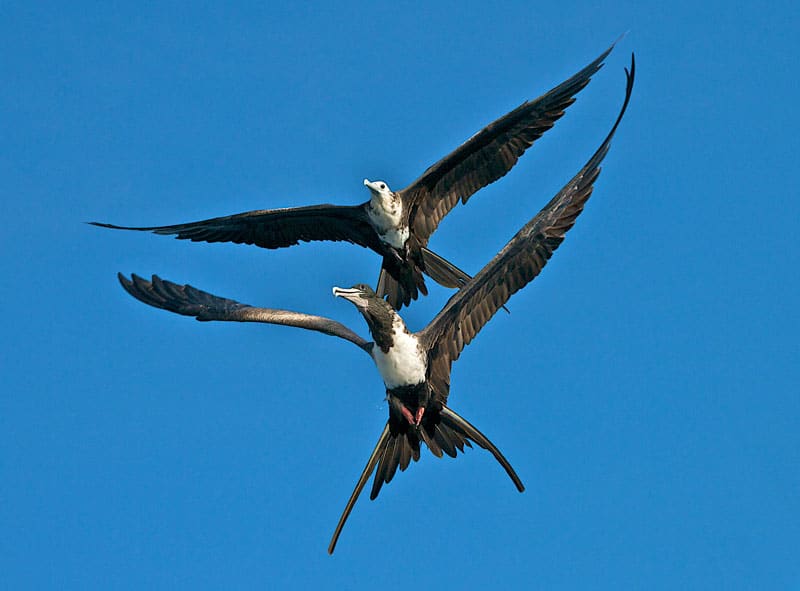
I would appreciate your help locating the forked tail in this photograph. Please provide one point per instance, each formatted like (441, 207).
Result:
(460, 424)
(443, 271)
(398, 444)
(436, 267)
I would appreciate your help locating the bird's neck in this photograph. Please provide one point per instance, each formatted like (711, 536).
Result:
(383, 323)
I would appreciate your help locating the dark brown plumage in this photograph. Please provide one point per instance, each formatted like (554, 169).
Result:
(482, 159)
(418, 410)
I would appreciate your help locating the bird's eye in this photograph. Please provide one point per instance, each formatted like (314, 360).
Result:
(383, 186)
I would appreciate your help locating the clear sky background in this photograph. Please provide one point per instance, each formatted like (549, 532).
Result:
(645, 386)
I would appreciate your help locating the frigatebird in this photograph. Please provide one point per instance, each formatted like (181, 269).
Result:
(415, 367)
(398, 224)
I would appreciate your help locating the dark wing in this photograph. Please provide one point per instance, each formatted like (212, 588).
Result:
(276, 228)
(488, 155)
(513, 268)
(189, 301)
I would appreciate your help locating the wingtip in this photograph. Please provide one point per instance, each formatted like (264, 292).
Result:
(104, 225)
(124, 281)
(611, 47)
(608, 51)
(129, 285)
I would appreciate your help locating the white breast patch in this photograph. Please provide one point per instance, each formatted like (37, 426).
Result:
(386, 214)
(395, 237)
(405, 363)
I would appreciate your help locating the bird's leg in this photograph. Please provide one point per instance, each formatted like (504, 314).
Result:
(415, 419)
(399, 258)
(407, 414)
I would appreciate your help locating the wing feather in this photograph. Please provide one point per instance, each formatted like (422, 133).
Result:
(190, 301)
(489, 154)
(518, 263)
(275, 228)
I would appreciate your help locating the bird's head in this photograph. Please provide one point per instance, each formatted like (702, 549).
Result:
(378, 189)
(379, 315)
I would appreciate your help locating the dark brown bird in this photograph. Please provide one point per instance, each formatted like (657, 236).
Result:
(415, 367)
(398, 224)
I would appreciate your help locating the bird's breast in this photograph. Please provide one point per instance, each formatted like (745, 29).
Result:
(386, 216)
(405, 363)
(395, 237)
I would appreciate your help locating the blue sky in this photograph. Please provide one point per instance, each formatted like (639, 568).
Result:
(645, 386)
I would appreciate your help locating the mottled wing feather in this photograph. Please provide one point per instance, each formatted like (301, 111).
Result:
(190, 301)
(276, 228)
(489, 154)
(518, 263)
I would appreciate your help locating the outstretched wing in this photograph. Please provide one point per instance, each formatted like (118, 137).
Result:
(275, 228)
(513, 268)
(489, 154)
(189, 301)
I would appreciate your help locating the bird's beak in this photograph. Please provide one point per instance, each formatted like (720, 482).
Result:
(353, 295)
(372, 186)
(350, 293)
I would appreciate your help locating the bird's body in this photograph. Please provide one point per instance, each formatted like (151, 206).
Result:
(398, 224)
(415, 367)
(404, 363)
(385, 212)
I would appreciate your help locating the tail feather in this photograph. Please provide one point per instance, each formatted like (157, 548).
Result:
(401, 293)
(461, 425)
(388, 287)
(445, 442)
(443, 271)
(443, 432)
(406, 453)
(387, 465)
(362, 480)
(411, 281)
(430, 441)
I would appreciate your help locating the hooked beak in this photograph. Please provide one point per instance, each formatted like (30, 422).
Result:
(372, 186)
(349, 293)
